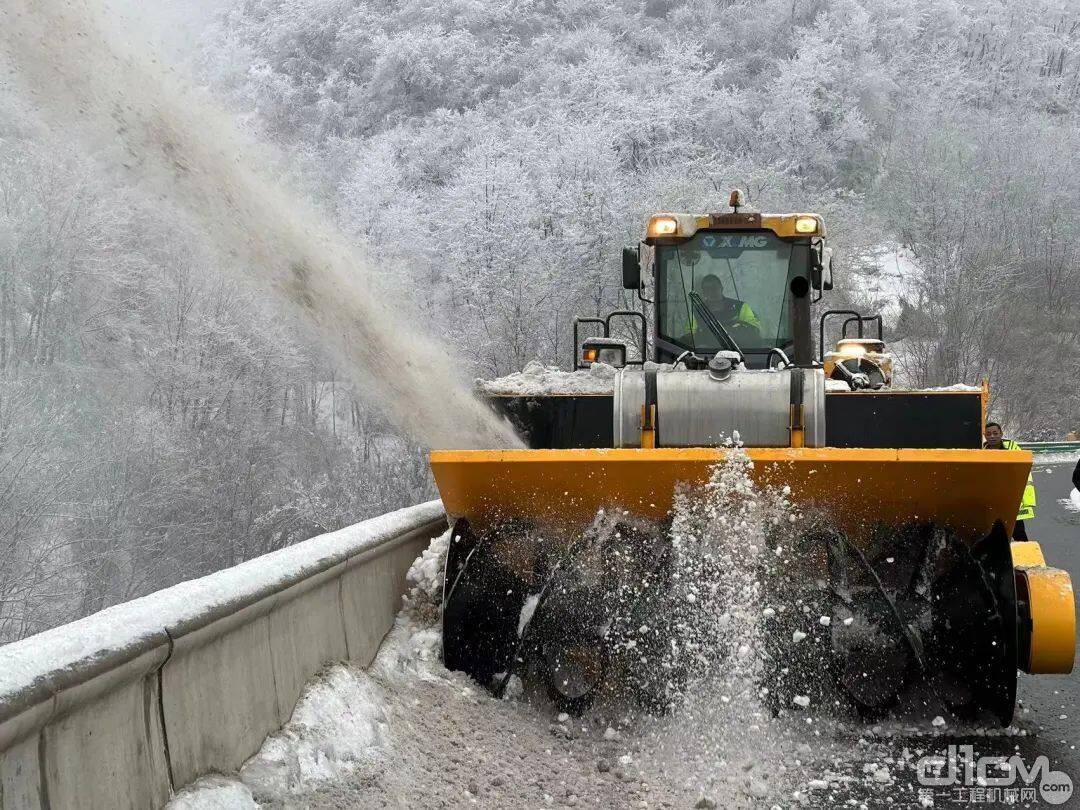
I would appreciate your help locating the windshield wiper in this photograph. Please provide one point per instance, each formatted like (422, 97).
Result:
(714, 324)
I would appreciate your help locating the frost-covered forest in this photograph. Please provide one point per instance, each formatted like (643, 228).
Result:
(159, 420)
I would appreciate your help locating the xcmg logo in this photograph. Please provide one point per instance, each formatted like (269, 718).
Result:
(960, 768)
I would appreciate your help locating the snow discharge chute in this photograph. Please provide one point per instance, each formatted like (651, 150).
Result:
(726, 458)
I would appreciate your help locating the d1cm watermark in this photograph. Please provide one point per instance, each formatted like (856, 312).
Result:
(972, 776)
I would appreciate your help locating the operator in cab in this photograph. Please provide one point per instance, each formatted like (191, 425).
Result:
(995, 440)
(735, 315)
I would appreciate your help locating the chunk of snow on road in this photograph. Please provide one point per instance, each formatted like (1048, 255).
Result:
(424, 645)
(1072, 503)
(801, 700)
(214, 793)
(537, 380)
(825, 621)
(798, 636)
(939, 721)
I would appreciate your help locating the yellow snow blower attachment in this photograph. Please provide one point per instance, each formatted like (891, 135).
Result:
(562, 563)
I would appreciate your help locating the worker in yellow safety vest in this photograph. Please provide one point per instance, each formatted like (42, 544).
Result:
(995, 440)
(736, 316)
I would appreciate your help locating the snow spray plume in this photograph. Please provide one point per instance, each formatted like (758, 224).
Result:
(174, 141)
(724, 741)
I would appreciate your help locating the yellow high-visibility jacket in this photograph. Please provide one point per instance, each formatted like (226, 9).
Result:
(734, 312)
(1027, 505)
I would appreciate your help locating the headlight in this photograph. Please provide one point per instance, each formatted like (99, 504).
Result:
(806, 225)
(663, 226)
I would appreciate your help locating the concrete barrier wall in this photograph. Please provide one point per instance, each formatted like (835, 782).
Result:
(118, 709)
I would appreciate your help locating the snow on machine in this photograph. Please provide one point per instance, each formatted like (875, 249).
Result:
(561, 564)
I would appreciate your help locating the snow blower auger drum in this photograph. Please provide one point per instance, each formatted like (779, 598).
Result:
(561, 611)
(903, 576)
(913, 609)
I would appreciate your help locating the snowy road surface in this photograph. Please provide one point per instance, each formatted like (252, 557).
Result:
(407, 733)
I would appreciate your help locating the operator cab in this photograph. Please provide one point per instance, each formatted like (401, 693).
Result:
(738, 281)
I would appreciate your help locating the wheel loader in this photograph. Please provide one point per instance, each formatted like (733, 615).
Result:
(560, 564)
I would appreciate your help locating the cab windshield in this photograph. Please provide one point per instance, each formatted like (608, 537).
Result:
(741, 278)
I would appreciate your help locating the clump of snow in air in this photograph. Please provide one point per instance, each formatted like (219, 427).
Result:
(536, 379)
(142, 120)
(527, 611)
(424, 582)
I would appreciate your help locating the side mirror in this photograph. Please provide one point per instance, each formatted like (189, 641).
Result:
(631, 268)
(821, 269)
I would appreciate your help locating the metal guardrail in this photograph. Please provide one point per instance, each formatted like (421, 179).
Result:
(121, 708)
(1044, 448)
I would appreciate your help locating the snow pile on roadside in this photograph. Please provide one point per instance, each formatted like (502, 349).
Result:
(338, 729)
(214, 793)
(537, 380)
